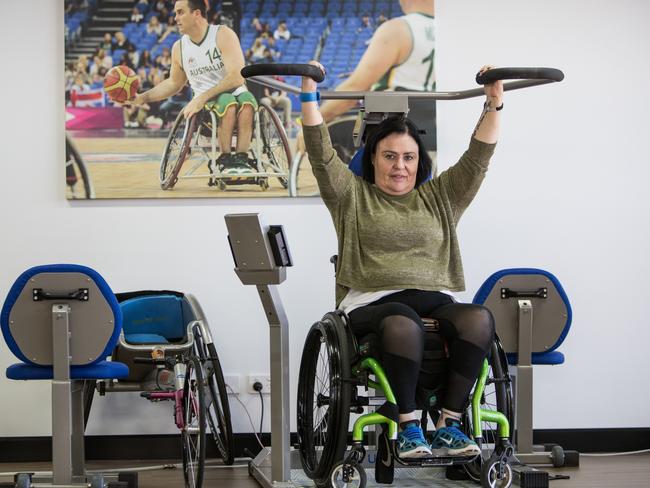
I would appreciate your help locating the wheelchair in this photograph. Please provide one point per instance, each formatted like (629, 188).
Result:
(77, 178)
(167, 345)
(269, 154)
(336, 365)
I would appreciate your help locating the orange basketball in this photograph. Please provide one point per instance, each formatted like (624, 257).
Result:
(121, 83)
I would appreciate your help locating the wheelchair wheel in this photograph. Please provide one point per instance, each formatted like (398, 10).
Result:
(343, 476)
(497, 396)
(276, 154)
(301, 180)
(193, 433)
(217, 407)
(496, 473)
(75, 172)
(176, 151)
(324, 392)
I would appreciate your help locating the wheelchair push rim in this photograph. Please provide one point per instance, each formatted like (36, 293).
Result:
(193, 432)
(323, 399)
(216, 402)
(176, 150)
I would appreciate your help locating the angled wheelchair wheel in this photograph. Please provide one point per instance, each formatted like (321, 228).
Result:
(324, 391)
(76, 173)
(301, 179)
(177, 149)
(276, 154)
(193, 433)
(217, 408)
(497, 396)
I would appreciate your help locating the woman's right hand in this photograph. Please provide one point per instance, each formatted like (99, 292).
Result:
(309, 85)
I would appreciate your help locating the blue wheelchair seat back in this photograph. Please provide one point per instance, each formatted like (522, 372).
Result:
(29, 322)
(502, 293)
(155, 323)
(152, 317)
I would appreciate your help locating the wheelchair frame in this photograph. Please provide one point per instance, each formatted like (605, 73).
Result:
(490, 468)
(198, 390)
(269, 150)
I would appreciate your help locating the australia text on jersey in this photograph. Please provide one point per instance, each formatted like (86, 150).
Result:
(206, 69)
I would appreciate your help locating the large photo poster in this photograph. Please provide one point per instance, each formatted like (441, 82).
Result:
(153, 111)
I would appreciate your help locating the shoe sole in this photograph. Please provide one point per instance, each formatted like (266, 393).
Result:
(463, 451)
(418, 452)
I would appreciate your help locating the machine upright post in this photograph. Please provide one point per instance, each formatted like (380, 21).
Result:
(279, 359)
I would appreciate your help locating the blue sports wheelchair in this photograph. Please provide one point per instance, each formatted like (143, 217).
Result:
(63, 322)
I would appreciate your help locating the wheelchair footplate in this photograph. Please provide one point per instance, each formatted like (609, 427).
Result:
(436, 461)
(244, 174)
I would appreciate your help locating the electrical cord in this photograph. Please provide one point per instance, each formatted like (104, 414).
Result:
(236, 395)
(607, 454)
(257, 386)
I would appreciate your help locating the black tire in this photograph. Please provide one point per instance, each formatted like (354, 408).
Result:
(324, 394)
(177, 149)
(217, 406)
(75, 171)
(359, 477)
(276, 154)
(193, 433)
(497, 396)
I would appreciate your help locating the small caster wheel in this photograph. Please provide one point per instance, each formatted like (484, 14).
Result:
(348, 475)
(496, 473)
(264, 184)
(23, 480)
(222, 185)
(557, 456)
(130, 478)
(97, 481)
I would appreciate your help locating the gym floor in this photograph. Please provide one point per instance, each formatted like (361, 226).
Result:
(630, 471)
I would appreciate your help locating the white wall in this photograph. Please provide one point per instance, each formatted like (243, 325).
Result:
(567, 191)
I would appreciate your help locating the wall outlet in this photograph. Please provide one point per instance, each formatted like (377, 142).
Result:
(232, 380)
(264, 379)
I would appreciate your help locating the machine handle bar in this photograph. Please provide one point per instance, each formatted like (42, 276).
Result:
(524, 77)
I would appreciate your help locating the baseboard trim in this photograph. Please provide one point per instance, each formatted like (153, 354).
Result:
(167, 446)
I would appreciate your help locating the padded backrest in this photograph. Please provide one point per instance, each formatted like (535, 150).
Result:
(95, 322)
(552, 313)
(166, 315)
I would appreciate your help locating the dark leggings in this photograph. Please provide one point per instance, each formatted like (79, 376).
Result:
(467, 328)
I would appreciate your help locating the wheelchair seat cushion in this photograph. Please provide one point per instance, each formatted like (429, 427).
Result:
(154, 319)
(97, 371)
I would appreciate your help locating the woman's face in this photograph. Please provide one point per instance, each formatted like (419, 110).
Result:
(396, 161)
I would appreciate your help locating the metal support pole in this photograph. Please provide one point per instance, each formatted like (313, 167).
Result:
(61, 396)
(524, 391)
(279, 359)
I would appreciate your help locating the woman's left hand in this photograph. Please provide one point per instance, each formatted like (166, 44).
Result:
(493, 91)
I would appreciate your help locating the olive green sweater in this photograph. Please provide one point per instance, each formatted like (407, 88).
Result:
(390, 242)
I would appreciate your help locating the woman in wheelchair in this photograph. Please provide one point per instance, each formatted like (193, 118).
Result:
(398, 253)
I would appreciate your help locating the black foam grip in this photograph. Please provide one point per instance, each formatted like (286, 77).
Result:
(519, 74)
(270, 69)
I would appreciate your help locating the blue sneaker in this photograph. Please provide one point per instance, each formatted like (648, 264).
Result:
(451, 441)
(412, 444)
